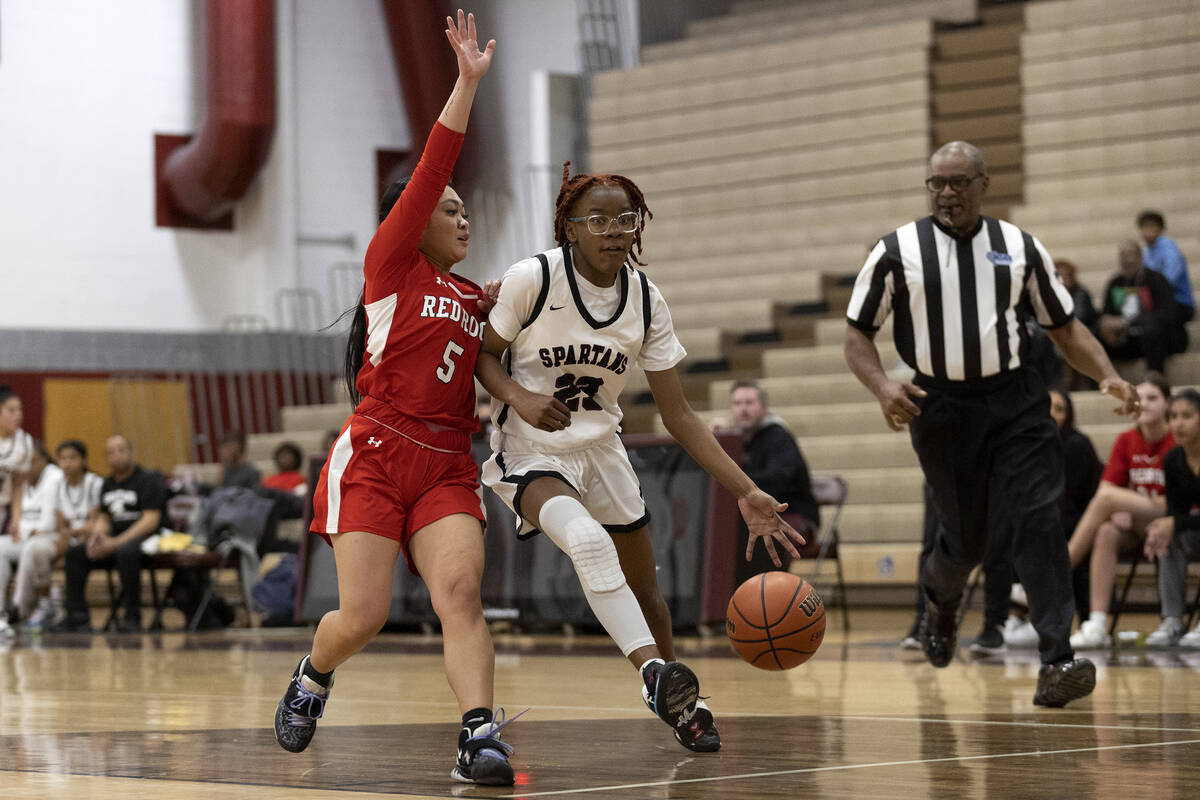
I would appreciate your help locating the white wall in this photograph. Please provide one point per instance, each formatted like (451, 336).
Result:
(84, 87)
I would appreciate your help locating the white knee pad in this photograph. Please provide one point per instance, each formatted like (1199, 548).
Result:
(568, 524)
(572, 529)
(594, 555)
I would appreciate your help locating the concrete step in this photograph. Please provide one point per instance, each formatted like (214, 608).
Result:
(821, 360)
(793, 391)
(327, 417)
(260, 446)
(806, 265)
(883, 522)
(871, 450)
(686, 290)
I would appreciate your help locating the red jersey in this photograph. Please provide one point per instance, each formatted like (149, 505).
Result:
(424, 328)
(1138, 464)
(284, 481)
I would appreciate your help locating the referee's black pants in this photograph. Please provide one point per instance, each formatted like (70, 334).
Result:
(994, 464)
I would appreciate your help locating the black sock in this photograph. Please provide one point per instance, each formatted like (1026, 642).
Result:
(322, 679)
(476, 717)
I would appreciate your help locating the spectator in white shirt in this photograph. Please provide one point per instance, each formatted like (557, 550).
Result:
(37, 521)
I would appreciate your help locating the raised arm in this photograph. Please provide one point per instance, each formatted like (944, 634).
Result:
(401, 230)
(473, 64)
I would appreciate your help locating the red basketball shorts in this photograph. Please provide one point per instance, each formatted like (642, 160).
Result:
(379, 481)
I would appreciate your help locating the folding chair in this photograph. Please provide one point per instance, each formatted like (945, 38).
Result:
(1133, 557)
(830, 492)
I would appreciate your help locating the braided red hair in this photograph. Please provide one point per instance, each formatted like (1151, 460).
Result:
(573, 188)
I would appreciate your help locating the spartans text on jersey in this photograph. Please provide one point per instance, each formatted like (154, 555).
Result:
(595, 354)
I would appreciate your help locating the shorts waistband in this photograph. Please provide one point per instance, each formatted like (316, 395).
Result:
(975, 386)
(413, 429)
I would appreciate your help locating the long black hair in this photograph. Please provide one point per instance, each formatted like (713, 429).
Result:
(1068, 427)
(356, 342)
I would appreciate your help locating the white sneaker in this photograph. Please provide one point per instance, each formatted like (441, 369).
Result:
(6, 631)
(1167, 634)
(42, 616)
(1017, 596)
(1019, 633)
(910, 643)
(1093, 635)
(1191, 639)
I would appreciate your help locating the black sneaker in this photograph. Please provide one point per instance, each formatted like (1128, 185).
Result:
(129, 624)
(482, 757)
(700, 735)
(672, 692)
(71, 623)
(297, 713)
(989, 643)
(1059, 684)
(939, 633)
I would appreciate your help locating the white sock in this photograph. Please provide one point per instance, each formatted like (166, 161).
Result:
(562, 518)
(1098, 617)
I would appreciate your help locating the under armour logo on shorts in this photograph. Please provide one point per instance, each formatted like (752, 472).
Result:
(374, 441)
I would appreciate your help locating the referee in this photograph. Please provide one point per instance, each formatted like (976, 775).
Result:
(960, 285)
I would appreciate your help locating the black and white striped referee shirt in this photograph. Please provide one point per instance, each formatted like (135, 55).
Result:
(956, 299)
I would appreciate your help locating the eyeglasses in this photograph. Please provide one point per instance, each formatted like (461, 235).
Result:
(598, 224)
(958, 183)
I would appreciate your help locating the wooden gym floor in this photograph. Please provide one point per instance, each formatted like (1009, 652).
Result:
(188, 716)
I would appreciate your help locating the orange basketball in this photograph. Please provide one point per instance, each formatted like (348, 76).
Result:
(775, 621)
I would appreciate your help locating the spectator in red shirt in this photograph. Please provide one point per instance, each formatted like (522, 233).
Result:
(288, 458)
(1130, 496)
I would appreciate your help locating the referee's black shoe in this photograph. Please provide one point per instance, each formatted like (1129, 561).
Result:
(1059, 684)
(939, 632)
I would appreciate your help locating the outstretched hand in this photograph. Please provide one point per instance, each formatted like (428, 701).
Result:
(1124, 391)
(761, 512)
(473, 63)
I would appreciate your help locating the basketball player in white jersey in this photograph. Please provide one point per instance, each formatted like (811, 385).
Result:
(574, 321)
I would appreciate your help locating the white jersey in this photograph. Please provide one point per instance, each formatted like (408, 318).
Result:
(75, 503)
(16, 455)
(37, 504)
(577, 341)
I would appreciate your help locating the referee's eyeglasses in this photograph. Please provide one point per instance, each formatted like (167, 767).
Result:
(599, 225)
(957, 183)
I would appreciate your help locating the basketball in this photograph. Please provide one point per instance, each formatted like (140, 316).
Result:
(775, 621)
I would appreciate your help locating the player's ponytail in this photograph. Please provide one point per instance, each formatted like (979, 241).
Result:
(356, 342)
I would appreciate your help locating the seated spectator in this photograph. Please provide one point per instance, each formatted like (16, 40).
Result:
(288, 460)
(1175, 538)
(76, 505)
(1141, 318)
(773, 461)
(1085, 309)
(1129, 498)
(1082, 471)
(1162, 255)
(132, 505)
(37, 522)
(16, 450)
(235, 469)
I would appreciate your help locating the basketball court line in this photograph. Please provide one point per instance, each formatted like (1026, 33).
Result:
(847, 767)
(1013, 723)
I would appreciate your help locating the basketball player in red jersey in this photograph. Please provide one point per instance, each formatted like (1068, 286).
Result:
(400, 476)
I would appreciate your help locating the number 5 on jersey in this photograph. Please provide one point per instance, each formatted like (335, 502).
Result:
(445, 373)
